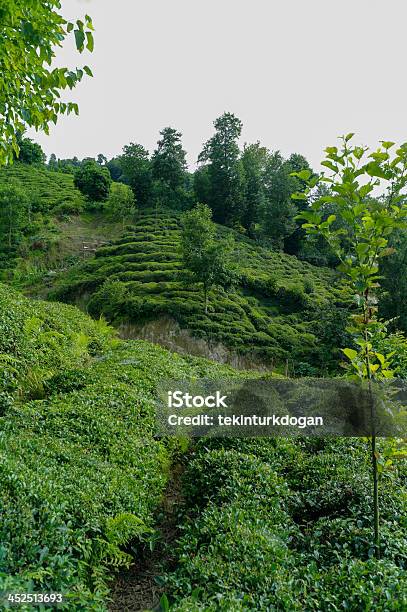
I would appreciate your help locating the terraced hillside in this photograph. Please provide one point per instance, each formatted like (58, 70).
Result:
(281, 309)
(47, 189)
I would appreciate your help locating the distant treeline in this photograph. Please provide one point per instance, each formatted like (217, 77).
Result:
(248, 189)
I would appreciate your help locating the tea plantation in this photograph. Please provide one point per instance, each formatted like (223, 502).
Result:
(277, 525)
(49, 191)
(81, 472)
(265, 524)
(281, 307)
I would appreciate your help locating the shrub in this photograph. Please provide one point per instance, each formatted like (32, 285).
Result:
(109, 300)
(292, 297)
(68, 208)
(93, 181)
(67, 381)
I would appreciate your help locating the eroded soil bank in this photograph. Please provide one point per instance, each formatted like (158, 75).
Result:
(166, 332)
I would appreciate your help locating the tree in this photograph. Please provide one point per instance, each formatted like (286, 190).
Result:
(136, 172)
(206, 259)
(115, 169)
(277, 214)
(168, 162)
(14, 209)
(393, 295)
(293, 243)
(370, 222)
(67, 166)
(121, 203)
(101, 159)
(254, 161)
(53, 162)
(202, 185)
(30, 87)
(30, 152)
(93, 180)
(226, 174)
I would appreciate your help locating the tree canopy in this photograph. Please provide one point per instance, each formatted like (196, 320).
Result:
(30, 87)
(93, 180)
(221, 153)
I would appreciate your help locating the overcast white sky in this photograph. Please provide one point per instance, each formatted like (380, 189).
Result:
(298, 73)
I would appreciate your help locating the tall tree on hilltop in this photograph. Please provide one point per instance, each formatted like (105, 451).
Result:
(294, 242)
(254, 160)
(168, 162)
(136, 172)
(222, 154)
(278, 211)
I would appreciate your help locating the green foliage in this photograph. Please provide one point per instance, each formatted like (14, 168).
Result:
(255, 540)
(93, 181)
(30, 152)
(30, 87)
(393, 292)
(121, 203)
(110, 300)
(56, 337)
(135, 169)
(225, 169)
(396, 345)
(254, 158)
(267, 312)
(206, 260)
(168, 163)
(14, 210)
(369, 223)
(81, 471)
(277, 211)
(47, 190)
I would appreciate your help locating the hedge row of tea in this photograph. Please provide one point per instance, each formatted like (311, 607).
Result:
(81, 474)
(278, 525)
(282, 308)
(48, 191)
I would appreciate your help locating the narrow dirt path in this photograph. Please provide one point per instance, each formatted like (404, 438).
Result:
(136, 589)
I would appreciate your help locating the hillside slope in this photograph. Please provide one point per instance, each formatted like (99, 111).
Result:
(47, 189)
(281, 309)
(58, 226)
(81, 470)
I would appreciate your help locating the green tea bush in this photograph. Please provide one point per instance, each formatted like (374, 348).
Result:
(279, 524)
(273, 312)
(221, 475)
(66, 381)
(81, 472)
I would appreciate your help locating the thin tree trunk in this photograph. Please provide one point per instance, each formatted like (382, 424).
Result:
(375, 499)
(375, 474)
(10, 225)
